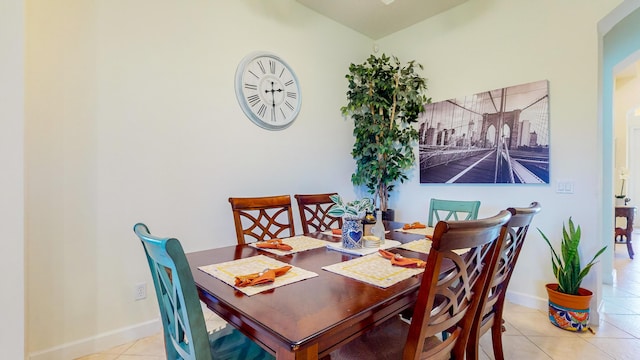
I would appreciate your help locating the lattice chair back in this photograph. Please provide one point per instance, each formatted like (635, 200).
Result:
(262, 218)
(491, 315)
(177, 297)
(449, 302)
(313, 209)
(184, 328)
(444, 210)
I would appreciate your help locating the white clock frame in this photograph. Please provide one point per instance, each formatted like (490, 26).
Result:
(268, 90)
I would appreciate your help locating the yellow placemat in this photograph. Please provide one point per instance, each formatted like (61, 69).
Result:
(228, 271)
(421, 246)
(425, 231)
(298, 243)
(424, 245)
(373, 269)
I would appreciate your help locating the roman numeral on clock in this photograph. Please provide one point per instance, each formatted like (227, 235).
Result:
(288, 105)
(262, 110)
(253, 100)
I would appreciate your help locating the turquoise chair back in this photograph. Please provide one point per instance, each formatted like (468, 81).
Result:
(177, 297)
(446, 210)
(185, 332)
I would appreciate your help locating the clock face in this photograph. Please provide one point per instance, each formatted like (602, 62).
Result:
(268, 91)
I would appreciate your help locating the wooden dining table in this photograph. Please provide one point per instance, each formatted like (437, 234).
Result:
(309, 318)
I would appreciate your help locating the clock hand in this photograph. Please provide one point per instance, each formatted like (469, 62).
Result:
(273, 100)
(273, 91)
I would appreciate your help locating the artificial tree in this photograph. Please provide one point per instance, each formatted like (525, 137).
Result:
(384, 100)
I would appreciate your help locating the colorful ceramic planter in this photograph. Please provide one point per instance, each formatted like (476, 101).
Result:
(569, 312)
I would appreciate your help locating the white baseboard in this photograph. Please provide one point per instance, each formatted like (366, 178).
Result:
(527, 300)
(99, 342)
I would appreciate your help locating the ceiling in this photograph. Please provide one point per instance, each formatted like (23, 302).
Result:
(376, 19)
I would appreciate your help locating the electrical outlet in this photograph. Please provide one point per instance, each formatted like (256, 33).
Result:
(140, 291)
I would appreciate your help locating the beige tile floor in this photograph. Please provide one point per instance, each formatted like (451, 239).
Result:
(529, 333)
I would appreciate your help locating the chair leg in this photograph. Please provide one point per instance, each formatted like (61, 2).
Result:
(496, 339)
(473, 345)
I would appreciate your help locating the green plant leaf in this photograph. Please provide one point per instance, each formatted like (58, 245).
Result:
(567, 268)
(384, 98)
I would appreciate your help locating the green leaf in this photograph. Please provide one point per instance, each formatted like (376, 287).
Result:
(383, 112)
(567, 268)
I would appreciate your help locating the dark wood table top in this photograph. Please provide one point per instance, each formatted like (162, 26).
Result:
(308, 318)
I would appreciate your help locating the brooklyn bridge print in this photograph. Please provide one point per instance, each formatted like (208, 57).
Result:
(499, 136)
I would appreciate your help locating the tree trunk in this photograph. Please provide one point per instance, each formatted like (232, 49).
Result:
(383, 195)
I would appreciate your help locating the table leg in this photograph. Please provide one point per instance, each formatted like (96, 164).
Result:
(629, 245)
(310, 353)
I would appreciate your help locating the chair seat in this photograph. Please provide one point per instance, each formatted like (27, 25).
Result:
(375, 344)
(229, 343)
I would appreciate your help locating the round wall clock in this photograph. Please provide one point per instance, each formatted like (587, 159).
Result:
(268, 90)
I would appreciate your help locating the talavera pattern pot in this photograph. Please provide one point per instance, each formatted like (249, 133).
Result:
(569, 312)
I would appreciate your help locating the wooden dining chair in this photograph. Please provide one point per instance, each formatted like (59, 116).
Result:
(452, 210)
(491, 315)
(445, 302)
(184, 329)
(313, 210)
(262, 218)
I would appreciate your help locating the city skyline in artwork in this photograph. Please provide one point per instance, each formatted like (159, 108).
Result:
(499, 136)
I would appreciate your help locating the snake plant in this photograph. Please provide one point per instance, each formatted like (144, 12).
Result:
(567, 269)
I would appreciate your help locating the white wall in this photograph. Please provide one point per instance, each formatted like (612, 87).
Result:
(488, 44)
(626, 100)
(12, 266)
(132, 117)
(619, 40)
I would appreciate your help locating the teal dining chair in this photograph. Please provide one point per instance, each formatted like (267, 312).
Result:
(452, 210)
(185, 332)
